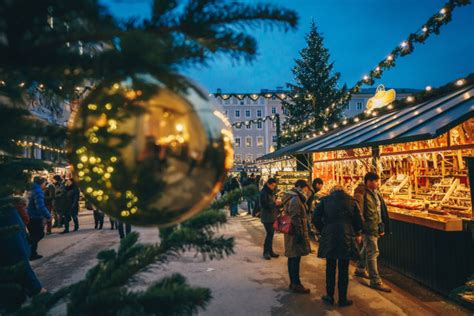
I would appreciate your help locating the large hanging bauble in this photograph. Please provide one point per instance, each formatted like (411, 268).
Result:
(146, 155)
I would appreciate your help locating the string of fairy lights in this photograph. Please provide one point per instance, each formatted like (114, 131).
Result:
(248, 123)
(409, 100)
(29, 144)
(406, 47)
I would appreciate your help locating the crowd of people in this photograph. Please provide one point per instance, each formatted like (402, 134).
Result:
(49, 204)
(348, 227)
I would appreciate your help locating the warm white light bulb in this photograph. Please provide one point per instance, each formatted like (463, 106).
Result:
(428, 88)
(460, 82)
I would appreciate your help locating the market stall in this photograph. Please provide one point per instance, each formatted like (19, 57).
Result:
(420, 153)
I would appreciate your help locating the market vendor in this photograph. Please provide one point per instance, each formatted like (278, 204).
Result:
(376, 224)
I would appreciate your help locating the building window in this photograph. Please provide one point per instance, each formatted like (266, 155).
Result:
(359, 105)
(259, 141)
(249, 157)
(285, 111)
(237, 142)
(248, 141)
(247, 101)
(241, 103)
(259, 125)
(248, 126)
(259, 113)
(237, 113)
(234, 100)
(247, 113)
(274, 110)
(262, 100)
(274, 138)
(238, 158)
(273, 97)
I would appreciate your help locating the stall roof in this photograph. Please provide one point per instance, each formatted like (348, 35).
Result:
(423, 121)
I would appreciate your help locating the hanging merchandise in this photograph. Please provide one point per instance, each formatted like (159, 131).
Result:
(147, 155)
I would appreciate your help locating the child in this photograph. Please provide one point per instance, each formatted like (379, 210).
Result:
(98, 215)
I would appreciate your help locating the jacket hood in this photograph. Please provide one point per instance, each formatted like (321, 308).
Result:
(292, 193)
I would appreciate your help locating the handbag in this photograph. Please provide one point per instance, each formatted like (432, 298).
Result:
(283, 224)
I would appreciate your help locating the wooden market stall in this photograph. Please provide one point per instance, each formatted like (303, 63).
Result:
(420, 153)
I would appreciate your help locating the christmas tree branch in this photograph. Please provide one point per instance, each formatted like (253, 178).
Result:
(103, 291)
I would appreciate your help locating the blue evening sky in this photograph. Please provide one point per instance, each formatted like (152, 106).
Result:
(358, 34)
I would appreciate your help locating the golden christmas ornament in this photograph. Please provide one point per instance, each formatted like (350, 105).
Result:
(149, 156)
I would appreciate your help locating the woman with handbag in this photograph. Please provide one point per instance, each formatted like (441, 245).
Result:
(338, 219)
(297, 242)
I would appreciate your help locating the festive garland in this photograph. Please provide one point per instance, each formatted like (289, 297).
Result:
(423, 96)
(432, 25)
(255, 121)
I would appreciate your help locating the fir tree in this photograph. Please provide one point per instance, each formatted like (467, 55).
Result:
(57, 47)
(316, 85)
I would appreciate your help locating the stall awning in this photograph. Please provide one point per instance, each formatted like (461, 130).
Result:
(287, 150)
(419, 122)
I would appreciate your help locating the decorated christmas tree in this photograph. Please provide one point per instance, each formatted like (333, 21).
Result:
(71, 50)
(316, 90)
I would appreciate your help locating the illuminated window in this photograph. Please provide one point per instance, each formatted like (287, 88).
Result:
(248, 141)
(259, 141)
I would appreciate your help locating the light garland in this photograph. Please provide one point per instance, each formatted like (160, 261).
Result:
(255, 121)
(28, 144)
(41, 87)
(432, 25)
(427, 93)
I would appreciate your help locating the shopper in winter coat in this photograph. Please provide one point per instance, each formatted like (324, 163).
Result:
(14, 249)
(49, 193)
(297, 244)
(268, 214)
(21, 204)
(376, 224)
(338, 219)
(72, 193)
(38, 213)
(60, 203)
(232, 185)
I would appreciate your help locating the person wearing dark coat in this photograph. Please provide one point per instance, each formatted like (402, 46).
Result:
(297, 244)
(60, 203)
(14, 249)
(376, 224)
(72, 211)
(232, 185)
(49, 192)
(337, 218)
(268, 214)
(38, 213)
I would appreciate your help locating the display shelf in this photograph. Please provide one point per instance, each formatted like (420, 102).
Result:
(286, 179)
(439, 222)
